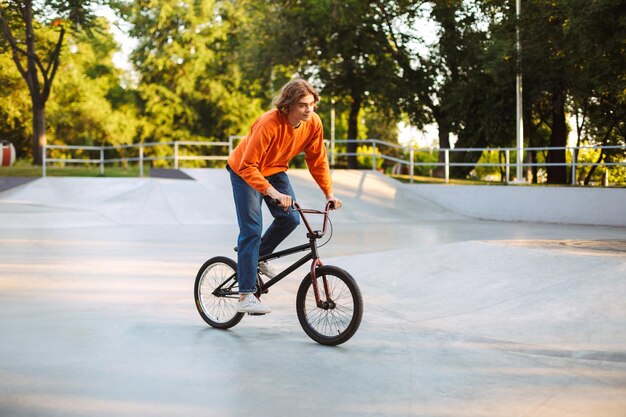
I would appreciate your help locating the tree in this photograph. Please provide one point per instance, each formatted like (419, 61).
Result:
(340, 45)
(191, 86)
(548, 75)
(444, 82)
(90, 105)
(595, 33)
(14, 106)
(35, 57)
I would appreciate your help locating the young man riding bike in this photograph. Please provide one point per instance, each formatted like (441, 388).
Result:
(258, 168)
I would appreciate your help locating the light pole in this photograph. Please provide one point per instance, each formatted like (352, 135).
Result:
(518, 87)
(332, 132)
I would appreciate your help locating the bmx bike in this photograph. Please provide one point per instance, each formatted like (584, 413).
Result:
(329, 304)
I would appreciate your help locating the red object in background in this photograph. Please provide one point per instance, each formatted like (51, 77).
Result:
(7, 155)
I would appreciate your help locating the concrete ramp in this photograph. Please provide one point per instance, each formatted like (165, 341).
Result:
(368, 196)
(371, 196)
(85, 202)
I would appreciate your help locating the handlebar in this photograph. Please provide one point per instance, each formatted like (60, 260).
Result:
(330, 205)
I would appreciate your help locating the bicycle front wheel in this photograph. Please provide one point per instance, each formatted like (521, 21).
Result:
(216, 293)
(338, 315)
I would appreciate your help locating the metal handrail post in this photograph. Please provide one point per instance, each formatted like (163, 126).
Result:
(141, 160)
(411, 161)
(332, 132)
(102, 160)
(574, 166)
(373, 156)
(43, 160)
(175, 155)
(507, 159)
(447, 159)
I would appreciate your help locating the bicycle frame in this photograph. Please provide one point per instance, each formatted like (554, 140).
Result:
(313, 255)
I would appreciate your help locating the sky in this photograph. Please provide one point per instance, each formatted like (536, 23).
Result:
(119, 28)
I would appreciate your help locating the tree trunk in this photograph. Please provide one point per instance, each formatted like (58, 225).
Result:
(353, 130)
(39, 131)
(593, 167)
(443, 127)
(38, 77)
(530, 174)
(558, 138)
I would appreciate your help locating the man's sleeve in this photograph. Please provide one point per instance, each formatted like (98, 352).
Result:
(258, 142)
(317, 160)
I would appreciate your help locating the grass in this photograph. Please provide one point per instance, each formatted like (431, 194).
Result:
(433, 180)
(22, 169)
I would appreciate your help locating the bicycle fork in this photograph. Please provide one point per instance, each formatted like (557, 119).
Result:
(326, 302)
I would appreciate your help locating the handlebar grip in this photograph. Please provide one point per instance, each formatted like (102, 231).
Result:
(277, 202)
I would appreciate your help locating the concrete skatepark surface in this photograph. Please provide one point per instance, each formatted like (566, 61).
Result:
(462, 317)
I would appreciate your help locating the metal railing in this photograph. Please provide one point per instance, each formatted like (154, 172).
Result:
(409, 151)
(402, 155)
(141, 157)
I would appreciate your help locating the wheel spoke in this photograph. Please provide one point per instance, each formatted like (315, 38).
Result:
(334, 321)
(217, 309)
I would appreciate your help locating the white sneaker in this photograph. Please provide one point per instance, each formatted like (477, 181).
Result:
(252, 305)
(267, 269)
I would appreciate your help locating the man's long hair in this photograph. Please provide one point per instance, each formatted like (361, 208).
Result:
(293, 91)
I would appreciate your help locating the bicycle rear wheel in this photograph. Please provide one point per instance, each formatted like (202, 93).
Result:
(216, 292)
(338, 317)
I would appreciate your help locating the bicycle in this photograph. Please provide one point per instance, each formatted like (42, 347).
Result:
(329, 304)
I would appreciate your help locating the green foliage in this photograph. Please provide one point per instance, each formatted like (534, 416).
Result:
(425, 157)
(573, 54)
(380, 123)
(205, 69)
(88, 106)
(15, 110)
(35, 33)
(340, 46)
(365, 159)
(596, 32)
(617, 175)
(191, 87)
(489, 173)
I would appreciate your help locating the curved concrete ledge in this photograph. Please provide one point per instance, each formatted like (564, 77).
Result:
(584, 206)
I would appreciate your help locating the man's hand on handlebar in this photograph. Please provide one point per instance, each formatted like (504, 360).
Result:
(335, 202)
(284, 200)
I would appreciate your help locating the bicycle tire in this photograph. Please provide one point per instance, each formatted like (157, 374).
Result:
(218, 311)
(336, 325)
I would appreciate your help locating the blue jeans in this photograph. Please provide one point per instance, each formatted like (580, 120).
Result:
(249, 216)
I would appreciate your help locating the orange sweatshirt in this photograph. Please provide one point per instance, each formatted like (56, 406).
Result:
(273, 142)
